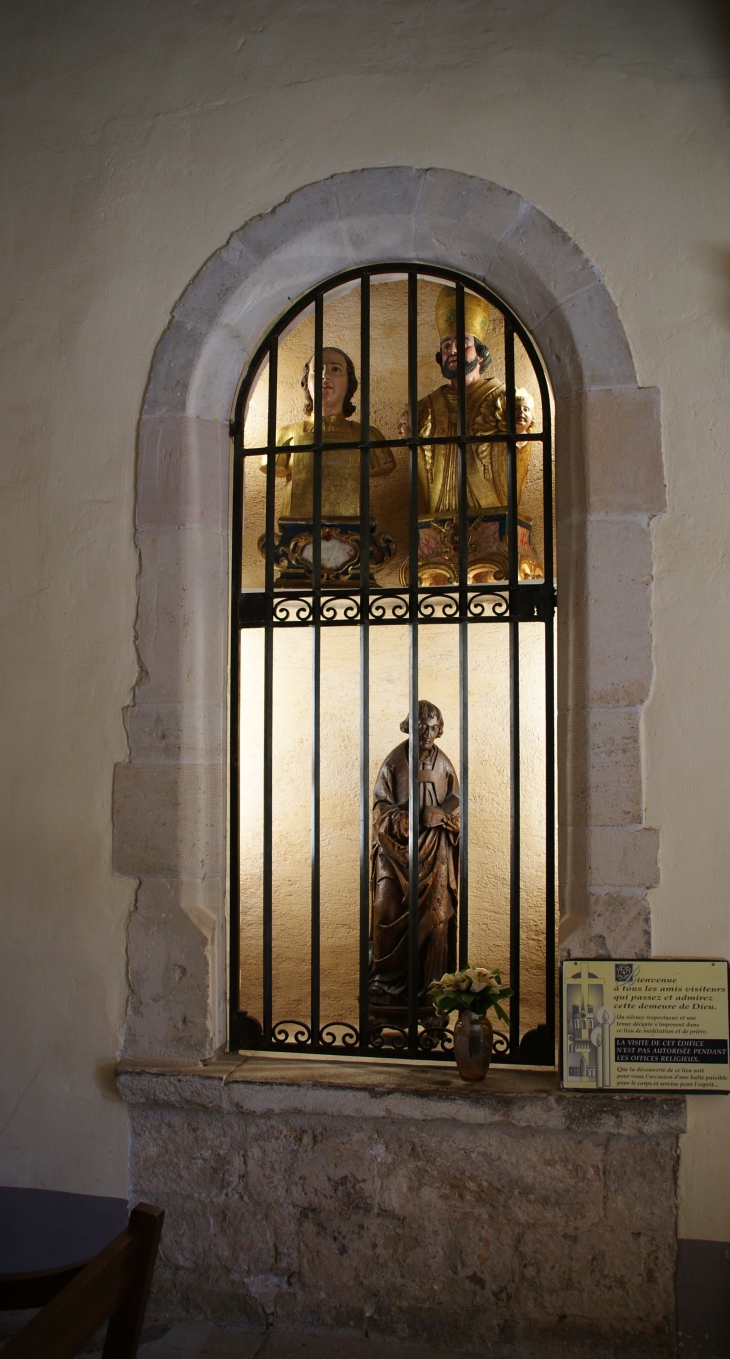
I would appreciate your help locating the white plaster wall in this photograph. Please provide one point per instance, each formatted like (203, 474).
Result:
(137, 138)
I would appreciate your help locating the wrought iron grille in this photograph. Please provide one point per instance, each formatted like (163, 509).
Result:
(511, 603)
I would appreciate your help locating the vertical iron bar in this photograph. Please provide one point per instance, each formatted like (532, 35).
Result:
(364, 1023)
(269, 692)
(413, 790)
(316, 666)
(514, 679)
(234, 952)
(461, 430)
(547, 483)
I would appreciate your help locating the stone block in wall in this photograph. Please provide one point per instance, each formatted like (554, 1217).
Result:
(639, 1186)
(627, 858)
(176, 733)
(617, 924)
(219, 281)
(604, 618)
(513, 1214)
(600, 779)
(182, 619)
(171, 933)
(183, 473)
(534, 252)
(607, 871)
(463, 216)
(378, 209)
(311, 207)
(610, 453)
(560, 297)
(168, 821)
(175, 358)
(600, 358)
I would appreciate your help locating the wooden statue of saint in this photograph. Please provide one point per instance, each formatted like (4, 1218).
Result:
(438, 875)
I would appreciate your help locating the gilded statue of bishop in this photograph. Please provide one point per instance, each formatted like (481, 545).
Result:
(486, 464)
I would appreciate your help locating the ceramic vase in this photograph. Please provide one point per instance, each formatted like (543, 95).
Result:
(473, 1036)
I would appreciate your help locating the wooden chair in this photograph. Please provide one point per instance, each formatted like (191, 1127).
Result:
(112, 1287)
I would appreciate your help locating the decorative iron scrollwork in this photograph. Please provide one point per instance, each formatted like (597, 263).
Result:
(389, 604)
(436, 1040)
(339, 608)
(292, 609)
(339, 1034)
(438, 604)
(384, 1036)
(291, 1031)
(486, 604)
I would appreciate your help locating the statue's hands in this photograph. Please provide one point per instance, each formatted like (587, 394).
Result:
(401, 825)
(432, 816)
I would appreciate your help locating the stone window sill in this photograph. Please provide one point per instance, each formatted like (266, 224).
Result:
(269, 1083)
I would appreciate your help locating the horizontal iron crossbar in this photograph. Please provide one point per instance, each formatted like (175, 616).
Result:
(343, 608)
(341, 1040)
(501, 437)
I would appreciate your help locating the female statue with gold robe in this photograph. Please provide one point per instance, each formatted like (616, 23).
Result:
(340, 551)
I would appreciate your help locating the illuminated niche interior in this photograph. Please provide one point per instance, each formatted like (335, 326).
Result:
(489, 707)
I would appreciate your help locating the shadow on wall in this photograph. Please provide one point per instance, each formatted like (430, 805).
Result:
(716, 259)
(703, 1289)
(713, 16)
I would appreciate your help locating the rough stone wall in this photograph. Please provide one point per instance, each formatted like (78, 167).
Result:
(609, 488)
(546, 1219)
(169, 821)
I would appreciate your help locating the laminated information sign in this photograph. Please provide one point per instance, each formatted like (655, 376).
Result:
(649, 1024)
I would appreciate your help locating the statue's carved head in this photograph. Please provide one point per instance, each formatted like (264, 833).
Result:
(524, 411)
(329, 356)
(430, 724)
(474, 353)
(476, 325)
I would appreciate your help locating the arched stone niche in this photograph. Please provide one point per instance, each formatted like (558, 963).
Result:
(170, 798)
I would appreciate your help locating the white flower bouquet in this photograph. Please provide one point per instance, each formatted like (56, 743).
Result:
(474, 988)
